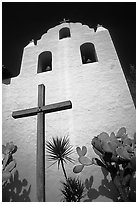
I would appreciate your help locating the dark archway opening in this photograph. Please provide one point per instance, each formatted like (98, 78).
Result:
(64, 33)
(88, 53)
(44, 62)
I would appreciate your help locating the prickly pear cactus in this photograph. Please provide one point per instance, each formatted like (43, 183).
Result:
(117, 155)
(8, 163)
(84, 161)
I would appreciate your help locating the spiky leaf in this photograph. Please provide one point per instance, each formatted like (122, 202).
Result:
(72, 190)
(59, 150)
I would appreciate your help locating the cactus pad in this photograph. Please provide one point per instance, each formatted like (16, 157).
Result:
(121, 132)
(123, 153)
(78, 168)
(104, 136)
(106, 147)
(96, 143)
(78, 149)
(81, 152)
(85, 161)
(84, 150)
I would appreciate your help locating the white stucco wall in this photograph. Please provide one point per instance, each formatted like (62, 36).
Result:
(98, 91)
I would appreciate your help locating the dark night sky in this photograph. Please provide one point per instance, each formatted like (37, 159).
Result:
(23, 21)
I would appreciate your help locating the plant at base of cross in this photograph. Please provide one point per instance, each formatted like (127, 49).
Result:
(59, 151)
(8, 163)
(73, 190)
(118, 156)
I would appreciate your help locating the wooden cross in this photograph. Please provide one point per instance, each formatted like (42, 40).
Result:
(40, 111)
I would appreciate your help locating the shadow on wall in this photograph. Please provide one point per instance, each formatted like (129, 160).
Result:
(16, 190)
(106, 189)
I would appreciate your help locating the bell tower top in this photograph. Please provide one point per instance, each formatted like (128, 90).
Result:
(63, 46)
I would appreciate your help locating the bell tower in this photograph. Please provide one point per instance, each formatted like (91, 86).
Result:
(75, 63)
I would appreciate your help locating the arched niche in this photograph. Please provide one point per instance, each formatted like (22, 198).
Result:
(88, 53)
(64, 33)
(44, 62)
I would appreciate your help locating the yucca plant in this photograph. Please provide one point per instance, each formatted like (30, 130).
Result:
(73, 190)
(59, 151)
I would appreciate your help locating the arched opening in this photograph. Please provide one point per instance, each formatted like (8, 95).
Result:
(88, 53)
(44, 62)
(64, 33)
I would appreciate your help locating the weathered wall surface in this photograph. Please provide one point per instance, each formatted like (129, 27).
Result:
(100, 99)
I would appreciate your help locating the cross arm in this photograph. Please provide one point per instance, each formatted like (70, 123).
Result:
(45, 109)
(25, 113)
(57, 107)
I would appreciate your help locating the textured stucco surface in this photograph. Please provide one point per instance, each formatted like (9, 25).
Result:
(100, 99)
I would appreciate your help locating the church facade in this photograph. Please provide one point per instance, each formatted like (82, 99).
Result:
(76, 63)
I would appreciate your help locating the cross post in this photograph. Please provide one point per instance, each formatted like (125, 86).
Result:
(40, 111)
